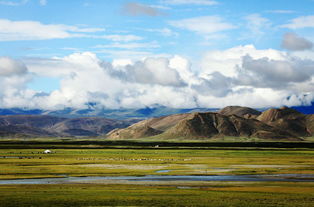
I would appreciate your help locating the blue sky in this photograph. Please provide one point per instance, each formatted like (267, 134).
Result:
(202, 53)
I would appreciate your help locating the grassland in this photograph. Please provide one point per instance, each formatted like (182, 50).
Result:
(237, 195)
(28, 161)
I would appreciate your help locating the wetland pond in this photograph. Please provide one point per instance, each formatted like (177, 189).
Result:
(167, 178)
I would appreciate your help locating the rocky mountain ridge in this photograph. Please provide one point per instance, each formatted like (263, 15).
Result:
(235, 121)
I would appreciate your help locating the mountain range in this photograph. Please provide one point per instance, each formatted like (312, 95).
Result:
(233, 121)
(52, 126)
(94, 111)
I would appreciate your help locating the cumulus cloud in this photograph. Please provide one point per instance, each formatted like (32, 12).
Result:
(242, 75)
(293, 42)
(154, 71)
(224, 61)
(300, 22)
(137, 9)
(151, 71)
(86, 78)
(33, 30)
(14, 77)
(195, 2)
(215, 84)
(204, 25)
(267, 73)
(9, 67)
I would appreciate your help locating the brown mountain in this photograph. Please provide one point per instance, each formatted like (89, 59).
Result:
(288, 119)
(87, 126)
(245, 112)
(310, 124)
(24, 131)
(204, 125)
(34, 121)
(44, 125)
(147, 128)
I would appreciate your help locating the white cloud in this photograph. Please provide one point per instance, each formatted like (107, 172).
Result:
(225, 61)
(267, 73)
(133, 45)
(300, 22)
(214, 84)
(9, 67)
(43, 2)
(257, 25)
(293, 42)
(121, 62)
(195, 2)
(153, 71)
(257, 78)
(32, 30)
(242, 75)
(205, 25)
(160, 7)
(123, 53)
(183, 66)
(13, 3)
(164, 32)
(118, 38)
(85, 78)
(14, 77)
(281, 11)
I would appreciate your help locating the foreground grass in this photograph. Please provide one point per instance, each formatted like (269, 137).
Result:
(237, 195)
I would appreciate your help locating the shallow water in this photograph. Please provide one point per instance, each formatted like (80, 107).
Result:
(156, 178)
(162, 171)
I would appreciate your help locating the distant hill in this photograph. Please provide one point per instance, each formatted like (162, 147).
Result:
(87, 126)
(50, 126)
(305, 109)
(121, 114)
(92, 110)
(277, 124)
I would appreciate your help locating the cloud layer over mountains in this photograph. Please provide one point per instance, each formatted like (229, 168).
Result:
(241, 75)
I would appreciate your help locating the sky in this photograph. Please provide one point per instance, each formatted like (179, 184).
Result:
(175, 53)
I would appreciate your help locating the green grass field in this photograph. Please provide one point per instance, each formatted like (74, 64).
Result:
(240, 195)
(32, 163)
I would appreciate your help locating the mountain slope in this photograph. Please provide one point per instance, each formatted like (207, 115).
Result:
(289, 119)
(87, 126)
(201, 125)
(44, 125)
(35, 121)
(310, 124)
(239, 111)
(24, 131)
